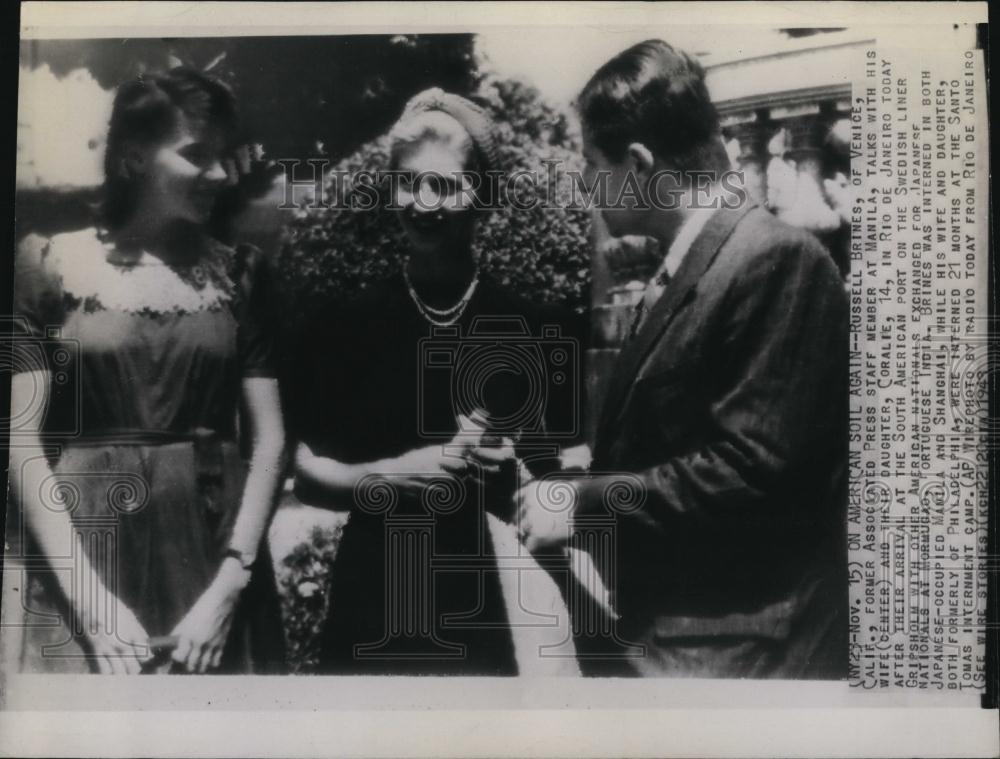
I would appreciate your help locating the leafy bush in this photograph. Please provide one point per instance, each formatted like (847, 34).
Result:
(303, 581)
(542, 253)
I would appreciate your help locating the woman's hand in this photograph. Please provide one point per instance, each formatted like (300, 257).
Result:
(325, 481)
(117, 639)
(249, 170)
(492, 457)
(203, 632)
(433, 460)
(115, 635)
(412, 472)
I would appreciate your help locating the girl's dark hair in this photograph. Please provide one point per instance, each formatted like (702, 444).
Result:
(148, 109)
(654, 94)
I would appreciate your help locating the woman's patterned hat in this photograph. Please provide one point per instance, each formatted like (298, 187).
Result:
(472, 117)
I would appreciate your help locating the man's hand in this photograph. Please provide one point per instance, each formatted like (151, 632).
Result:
(492, 460)
(545, 510)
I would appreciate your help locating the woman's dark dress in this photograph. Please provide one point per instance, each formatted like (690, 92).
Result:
(383, 385)
(146, 363)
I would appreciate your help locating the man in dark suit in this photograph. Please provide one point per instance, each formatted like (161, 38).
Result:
(721, 453)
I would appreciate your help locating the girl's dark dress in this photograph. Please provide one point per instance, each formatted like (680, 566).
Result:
(414, 589)
(146, 362)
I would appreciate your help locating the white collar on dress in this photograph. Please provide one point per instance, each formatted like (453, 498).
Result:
(147, 285)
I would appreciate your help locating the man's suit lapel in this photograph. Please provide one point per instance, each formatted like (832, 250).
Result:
(703, 251)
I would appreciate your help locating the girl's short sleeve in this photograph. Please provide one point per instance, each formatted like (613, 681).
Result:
(38, 310)
(255, 313)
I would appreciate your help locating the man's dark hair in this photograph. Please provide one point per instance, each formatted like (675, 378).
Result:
(654, 94)
(148, 109)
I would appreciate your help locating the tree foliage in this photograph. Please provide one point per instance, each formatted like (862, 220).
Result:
(299, 96)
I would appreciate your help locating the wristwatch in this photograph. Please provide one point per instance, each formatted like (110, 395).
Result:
(246, 560)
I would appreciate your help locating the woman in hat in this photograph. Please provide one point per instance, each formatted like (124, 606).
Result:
(412, 421)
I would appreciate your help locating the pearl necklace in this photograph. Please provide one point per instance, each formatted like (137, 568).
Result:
(441, 317)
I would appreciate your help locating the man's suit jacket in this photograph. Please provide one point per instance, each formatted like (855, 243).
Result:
(727, 412)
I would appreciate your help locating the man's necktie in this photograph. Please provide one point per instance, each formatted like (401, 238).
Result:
(650, 295)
